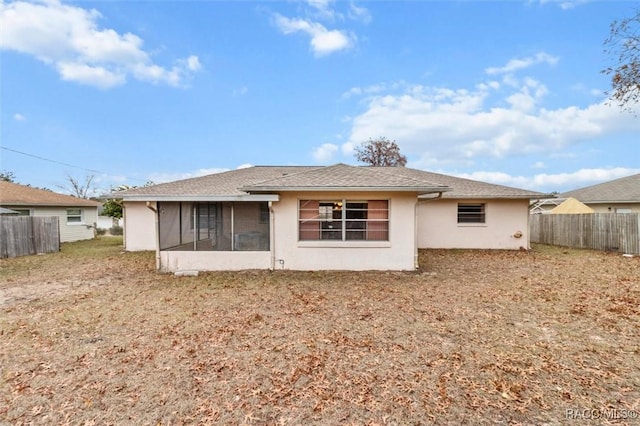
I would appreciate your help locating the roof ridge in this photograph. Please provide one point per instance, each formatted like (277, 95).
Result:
(387, 170)
(310, 169)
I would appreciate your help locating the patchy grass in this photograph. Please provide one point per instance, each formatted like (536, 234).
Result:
(475, 337)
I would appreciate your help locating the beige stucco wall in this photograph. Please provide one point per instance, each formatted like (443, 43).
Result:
(438, 225)
(177, 261)
(288, 253)
(68, 232)
(139, 226)
(604, 208)
(396, 254)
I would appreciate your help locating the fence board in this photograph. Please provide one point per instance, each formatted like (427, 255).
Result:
(25, 235)
(598, 231)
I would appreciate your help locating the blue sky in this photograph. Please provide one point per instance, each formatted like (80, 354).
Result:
(506, 92)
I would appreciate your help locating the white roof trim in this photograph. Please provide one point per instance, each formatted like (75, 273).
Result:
(419, 190)
(213, 198)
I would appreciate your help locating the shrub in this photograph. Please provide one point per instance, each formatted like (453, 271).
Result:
(115, 230)
(101, 231)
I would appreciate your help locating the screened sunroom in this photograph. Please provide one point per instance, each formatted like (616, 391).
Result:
(214, 226)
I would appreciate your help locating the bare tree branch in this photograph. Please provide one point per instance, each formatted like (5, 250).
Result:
(380, 152)
(623, 45)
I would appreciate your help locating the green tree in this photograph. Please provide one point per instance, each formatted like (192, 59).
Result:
(7, 176)
(380, 152)
(113, 206)
(623, 45)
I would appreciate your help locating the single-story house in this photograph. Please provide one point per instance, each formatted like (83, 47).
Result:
(615, 196)
(8, 212)
(77, 217)
(336, 217)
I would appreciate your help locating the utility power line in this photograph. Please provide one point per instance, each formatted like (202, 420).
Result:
(60, 162)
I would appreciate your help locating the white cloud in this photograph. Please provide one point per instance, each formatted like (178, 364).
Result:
(244, 166)
(372, 89)
(565, 4)
(323, 41)
(70, 39)
(325, 152)
(322, 9)
(359, 13)
(550, 182)
(538, 165)
(19, 117)
(522, 63)
(441, 126)
(241, 91)
(193, 63)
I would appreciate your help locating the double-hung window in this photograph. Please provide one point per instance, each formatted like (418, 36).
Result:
(343, 220)
(74, 215)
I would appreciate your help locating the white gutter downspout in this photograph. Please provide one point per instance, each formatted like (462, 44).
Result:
(417, 223)
(157, 222)
(272, 236)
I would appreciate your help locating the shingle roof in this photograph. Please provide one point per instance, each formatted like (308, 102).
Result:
(344, 177)
(217, 184)
(13, 194)
(261, 179)
(626, 189)
(467, 188)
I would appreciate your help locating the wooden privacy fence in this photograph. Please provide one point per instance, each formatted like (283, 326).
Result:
(24, 235)
(599, 231)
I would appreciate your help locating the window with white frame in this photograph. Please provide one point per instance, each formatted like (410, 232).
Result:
(343, 220)
(74, 216)
(471, 213)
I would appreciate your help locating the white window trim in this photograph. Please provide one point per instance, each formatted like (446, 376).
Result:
(345, 243)
(81, 223)
(483, 224)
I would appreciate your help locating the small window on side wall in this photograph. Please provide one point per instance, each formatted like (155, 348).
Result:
(74, 215)
(471, 213)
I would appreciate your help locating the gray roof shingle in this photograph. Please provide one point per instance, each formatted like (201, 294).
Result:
(626, 189)
(273, 179)
(344, 177)
(467, 188)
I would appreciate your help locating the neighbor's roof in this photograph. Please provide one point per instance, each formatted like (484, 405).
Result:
(261, 180)
(342, 177)
(571, 206)
(623, 190)
(7, 211)
(13, 194)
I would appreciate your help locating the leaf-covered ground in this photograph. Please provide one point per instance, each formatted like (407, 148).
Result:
(91, 335)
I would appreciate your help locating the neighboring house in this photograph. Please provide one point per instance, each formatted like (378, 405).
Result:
(8, 212)
(76, 216)
(320, 218)
(571, 206)
(616, 196)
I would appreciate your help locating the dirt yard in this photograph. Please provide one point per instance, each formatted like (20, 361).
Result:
(91, 335)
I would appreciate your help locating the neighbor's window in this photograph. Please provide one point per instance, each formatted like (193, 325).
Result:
(343, 220)
(22, 212)
(74, 215)
(471, 213)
